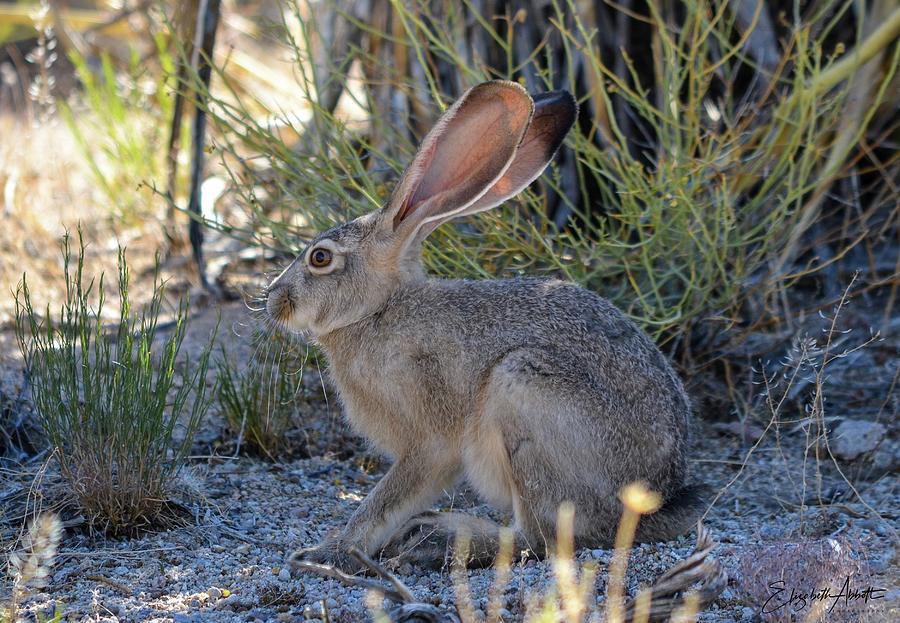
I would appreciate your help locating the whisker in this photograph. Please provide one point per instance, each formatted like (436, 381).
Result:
(261, 338)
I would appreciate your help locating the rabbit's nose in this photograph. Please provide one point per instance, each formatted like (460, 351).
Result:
(279, 302)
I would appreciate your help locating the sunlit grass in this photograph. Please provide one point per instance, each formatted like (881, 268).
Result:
(120, 120)
(678, 594)
(30, 565)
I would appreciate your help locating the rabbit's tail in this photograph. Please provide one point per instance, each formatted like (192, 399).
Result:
(678, 515)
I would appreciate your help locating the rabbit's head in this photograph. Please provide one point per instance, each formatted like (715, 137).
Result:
(487, 147)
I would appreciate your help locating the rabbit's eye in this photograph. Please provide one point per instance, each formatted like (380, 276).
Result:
(320, 258)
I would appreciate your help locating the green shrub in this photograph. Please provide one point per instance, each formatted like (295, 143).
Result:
(110, 401)
(261, 403)
(697, 175)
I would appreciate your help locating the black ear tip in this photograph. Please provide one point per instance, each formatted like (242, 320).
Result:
(560, 104)
(552, 98)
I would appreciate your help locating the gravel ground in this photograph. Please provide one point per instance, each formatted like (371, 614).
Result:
(226, 564)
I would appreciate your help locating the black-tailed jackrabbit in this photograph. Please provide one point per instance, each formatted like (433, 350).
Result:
(535, 391)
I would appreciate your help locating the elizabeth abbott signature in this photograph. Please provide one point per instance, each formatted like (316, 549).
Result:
(781, 597)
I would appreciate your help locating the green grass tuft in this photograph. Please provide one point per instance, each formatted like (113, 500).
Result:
(262, 402)
(111, 400)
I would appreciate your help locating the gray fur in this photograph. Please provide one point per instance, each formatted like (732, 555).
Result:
(535, 391)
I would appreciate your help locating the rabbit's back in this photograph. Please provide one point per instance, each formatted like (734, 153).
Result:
(600, 349)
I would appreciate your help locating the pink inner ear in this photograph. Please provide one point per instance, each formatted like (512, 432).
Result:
(466, 152)
(455, 158)
(554, 116)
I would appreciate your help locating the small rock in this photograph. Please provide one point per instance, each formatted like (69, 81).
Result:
(228, 602)
(746, 431)
(214, 593)
(260, 614)
(747, 613)
(49, 611)
(853, 438)
(881, 562)
(284, 575)
(886, 459)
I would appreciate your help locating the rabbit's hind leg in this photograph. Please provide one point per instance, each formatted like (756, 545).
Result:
(430, 540)
(554, 451)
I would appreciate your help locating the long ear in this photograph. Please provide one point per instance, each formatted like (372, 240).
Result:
(462, 157)
(554, 116)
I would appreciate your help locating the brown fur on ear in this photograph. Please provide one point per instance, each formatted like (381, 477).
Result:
(467, 151)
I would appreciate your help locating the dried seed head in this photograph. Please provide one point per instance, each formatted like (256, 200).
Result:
(638, 498)
(31, 565)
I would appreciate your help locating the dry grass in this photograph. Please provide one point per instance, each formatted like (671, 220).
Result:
(44, 190)
(679, 594)
(796, 401)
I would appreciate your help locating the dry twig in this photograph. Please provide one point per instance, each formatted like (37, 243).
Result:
(668, 592)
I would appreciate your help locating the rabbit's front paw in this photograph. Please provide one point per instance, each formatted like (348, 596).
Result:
(331, 553)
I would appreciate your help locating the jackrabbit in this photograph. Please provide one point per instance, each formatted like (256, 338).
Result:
(536, 391)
